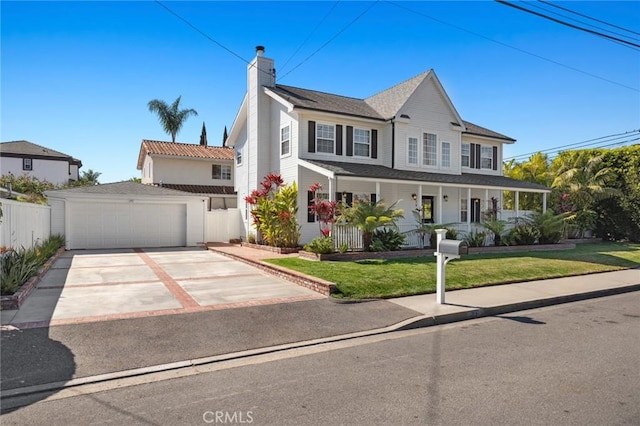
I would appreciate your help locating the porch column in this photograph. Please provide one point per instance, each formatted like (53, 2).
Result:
(544, 202)
(332, 192)
(468, 209)
(516, 207)
(439, 206)
(486, 199)
(377, 191)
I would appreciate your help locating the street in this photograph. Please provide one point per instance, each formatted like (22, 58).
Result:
(572, 364)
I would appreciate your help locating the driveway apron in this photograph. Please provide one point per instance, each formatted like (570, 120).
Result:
(100, 285)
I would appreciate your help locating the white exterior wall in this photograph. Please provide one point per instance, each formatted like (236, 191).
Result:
(484, 142)
(147, 170)
(188, 171)
(24, 224)
(57, 216)
(56, 172)
(429, 112)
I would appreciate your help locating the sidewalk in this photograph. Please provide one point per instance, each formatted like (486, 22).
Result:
(67, 355)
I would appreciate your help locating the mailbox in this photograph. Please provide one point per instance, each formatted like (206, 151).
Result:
(453, 247)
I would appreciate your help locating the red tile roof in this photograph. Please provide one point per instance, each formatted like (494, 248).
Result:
(188, 150)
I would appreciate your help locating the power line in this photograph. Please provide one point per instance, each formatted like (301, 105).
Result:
(588, 142)
(513, 47)
(579, 21)
(589, 17)
(208, 37)
(542, 15)
(353, 21)
(310, 34)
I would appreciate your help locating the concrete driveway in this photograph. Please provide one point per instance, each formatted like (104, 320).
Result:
(100, 285)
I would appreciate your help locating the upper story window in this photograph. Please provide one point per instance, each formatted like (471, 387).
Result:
(465, 155)
(446, 155)
(27, 164)
(221, 172)
(285, 141)
(325, 138)
(413, 151)
(361, 142)
(429, 150)
(486, 157)
(238, 156)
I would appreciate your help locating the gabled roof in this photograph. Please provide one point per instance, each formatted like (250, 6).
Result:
(26, 148)
(389, 101)
(474, 129)
(184, 150)
(121, 188)
(326, 102)
(465, 179)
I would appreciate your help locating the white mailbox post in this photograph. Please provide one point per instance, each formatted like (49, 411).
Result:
(446, 250)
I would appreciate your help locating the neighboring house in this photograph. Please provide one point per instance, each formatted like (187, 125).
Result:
(199, 169)
(406, 144)
(24, 157)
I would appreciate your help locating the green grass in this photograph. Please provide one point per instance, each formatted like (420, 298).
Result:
(417, 275)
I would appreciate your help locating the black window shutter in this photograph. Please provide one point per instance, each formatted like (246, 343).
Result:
(338, 139)
(478, 149)
(472, 155)
(374, 143)
(349, 199)
(495, 158)
(310, 216)
(338, 197)
(374, 198)
(349, 141)
(312, 136)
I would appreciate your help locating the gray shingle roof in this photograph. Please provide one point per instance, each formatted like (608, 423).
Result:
(389, 101)
(122, 188)
(320, 101)
(30, 148)
(201, 189)
(382, 172)
(474, 129)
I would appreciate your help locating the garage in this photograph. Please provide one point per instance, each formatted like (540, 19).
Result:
(127, 215)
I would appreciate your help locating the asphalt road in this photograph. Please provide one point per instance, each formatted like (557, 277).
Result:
(573, 364)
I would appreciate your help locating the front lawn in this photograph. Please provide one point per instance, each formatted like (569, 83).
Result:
(417, 275)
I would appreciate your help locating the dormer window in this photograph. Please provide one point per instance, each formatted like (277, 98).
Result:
(27, 164)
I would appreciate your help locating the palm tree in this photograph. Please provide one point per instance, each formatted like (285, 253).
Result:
(89, 178)
(171, 117)
(368, 216)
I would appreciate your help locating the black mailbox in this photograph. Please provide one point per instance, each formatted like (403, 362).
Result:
(453, 247)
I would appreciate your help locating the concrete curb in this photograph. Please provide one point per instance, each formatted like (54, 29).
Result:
(411, 323)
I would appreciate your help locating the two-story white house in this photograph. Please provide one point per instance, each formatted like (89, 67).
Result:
(24, 157)
(199, 169)
(406, 144)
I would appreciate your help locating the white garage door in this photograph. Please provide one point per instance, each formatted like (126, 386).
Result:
(126, 225)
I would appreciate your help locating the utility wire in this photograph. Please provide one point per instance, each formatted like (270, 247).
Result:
(530, 4)
(208, 37)
(542, 15)
(513, 47)
(589, 17)
(353, 21)
(310, 34)
(594, 141)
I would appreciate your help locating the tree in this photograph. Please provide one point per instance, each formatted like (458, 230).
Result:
(171, 117)
(89, 178)
(224, 136)
(368, 216)
(203, 135)
(535, 170)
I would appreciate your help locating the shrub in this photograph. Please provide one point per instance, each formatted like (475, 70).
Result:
(385, 239)
(17, 266)
(320, 245)
(522, 234)
(344, 247)
(475, 238)
(549, 226)
(451, 234)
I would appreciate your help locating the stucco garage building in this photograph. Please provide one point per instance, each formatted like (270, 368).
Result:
(127, 215)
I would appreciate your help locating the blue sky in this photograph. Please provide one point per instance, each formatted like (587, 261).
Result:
(77, 76)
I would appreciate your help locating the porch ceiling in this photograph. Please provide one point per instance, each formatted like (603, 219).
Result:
(385, 174)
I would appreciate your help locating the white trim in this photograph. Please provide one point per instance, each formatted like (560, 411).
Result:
(320, 170)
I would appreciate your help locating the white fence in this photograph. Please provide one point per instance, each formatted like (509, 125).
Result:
(222, 225)
(24, 224)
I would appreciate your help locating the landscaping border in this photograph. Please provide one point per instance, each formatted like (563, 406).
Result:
(279, 250)
(15, 300)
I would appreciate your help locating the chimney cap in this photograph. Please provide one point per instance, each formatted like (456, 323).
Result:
(259, 49)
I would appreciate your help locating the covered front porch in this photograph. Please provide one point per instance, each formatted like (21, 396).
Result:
(461, 202)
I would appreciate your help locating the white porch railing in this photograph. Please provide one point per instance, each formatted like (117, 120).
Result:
(345, 233)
